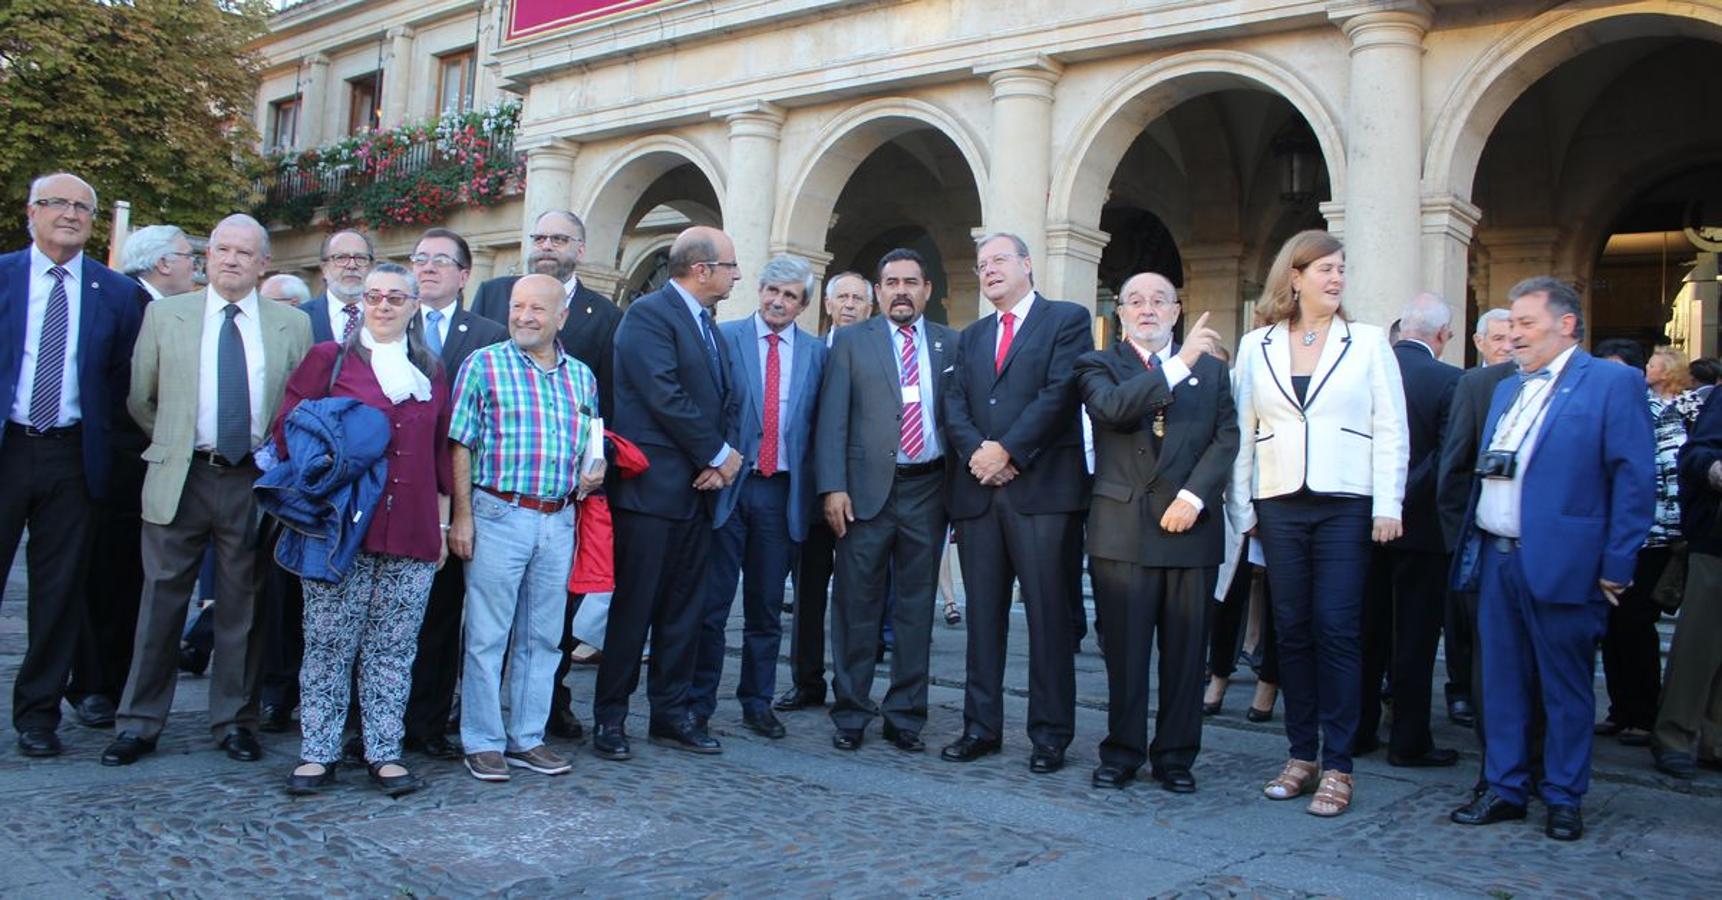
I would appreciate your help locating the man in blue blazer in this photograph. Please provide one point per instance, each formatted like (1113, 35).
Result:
(1562, 501)
(67, 325)
(347, 258)
(675, 402)
(762, 517)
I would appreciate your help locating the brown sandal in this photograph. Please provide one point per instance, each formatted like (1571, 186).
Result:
(1334, 795)
(1295, 780)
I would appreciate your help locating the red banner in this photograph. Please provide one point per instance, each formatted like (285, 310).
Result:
(532, 17)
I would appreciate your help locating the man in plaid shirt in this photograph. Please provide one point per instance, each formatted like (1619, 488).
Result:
(519, 429)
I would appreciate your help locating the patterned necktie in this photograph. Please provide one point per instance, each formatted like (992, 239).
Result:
(768, 415)
(711, 347)
(909, 436)
(1007, 322)
(352, 311)
(51, 355)
(433, 331)
(232, 391)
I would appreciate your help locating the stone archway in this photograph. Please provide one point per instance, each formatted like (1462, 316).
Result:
(612, 208)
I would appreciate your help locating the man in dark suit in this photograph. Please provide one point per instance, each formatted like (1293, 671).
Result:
(848, 300)
(347, 258)
(1406, 596)
(442, 263)
(588, 334)
(762, 518)
(1011, 415)
(1562, 501)
(1165, 436)
(674, 401)
(67, 324)
(882, 465)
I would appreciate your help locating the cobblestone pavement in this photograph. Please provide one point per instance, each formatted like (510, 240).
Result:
(795, 817)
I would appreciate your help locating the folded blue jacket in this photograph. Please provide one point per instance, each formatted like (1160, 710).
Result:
(326, 489)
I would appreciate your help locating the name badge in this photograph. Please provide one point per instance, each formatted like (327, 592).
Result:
(911, 393)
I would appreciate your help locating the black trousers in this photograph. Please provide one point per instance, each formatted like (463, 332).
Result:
(1457, 638)
(1073, 559)
(281, 609)
(114, 582)
(659, 565)
(1404, 607)
(46, 491)
(813, 569)
(436, 668)
(1227, 626)
(1145, 607)
(1631, 649)
(999, 547)
(561, 698)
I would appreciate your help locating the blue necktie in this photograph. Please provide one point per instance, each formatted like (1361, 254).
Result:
(232, 391)
(433, 334)
(711, 347)
(51, 355)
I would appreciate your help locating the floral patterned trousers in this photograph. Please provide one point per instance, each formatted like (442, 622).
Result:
(373, 616)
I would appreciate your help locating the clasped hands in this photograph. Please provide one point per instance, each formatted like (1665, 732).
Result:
(712, 478)
(991, 465)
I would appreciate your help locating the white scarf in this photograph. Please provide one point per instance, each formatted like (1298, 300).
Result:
(396, 374)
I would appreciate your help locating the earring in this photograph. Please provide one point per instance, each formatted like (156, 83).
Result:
(1294, 295)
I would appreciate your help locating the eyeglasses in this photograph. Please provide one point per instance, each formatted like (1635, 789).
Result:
(173, 253)
(1160, 303)
(395, 298)
(555, 240)
(350, 259)
(732, 264)
(997, 261)
(61, 204)
(441, 260)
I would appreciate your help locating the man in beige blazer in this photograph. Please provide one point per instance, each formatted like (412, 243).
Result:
(207, 377)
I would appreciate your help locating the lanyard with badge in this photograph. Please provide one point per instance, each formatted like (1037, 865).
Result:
(1502, 463)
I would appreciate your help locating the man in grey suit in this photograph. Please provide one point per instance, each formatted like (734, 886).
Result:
(881, 467)
(208, 374)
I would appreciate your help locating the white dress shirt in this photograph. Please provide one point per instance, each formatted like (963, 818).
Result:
(154, 292)
(441, 327)
(1498, 498)
(1020, 311)
(338, 313)
(251, 335)
(785, 365)
(41, 287)
(930, 449)
(568, 289)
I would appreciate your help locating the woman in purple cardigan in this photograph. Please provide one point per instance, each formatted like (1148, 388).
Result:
(373, 614)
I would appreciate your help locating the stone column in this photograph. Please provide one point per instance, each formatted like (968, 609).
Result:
(1449, 223)
(397, 76)
(483, 268)
(1515, 254)
(313, 98)
(1384, 151)
(1213, 284)
(1334, 212)
(605, 280)
(821, 263)
(1019, 159)
(549, 182)
(750, 197)
(1070, 269)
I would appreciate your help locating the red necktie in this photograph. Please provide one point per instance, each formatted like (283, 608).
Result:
(768, 440)
(1007, 321)
(910, 437)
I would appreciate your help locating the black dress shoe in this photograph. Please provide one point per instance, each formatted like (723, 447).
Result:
(241, 745)
(610, 742)
(1178, 781)
(1675, 765)
(764, 724)
(1259, 715)
(565, 725)
(1461, 712)
(1487, 810)
(394, 785)
(1112, 775)
(39, 742)
(690, 736)
(1212, 709)
(274, 718)
(1433, 758)
(799, 698)
(95, 711)
(1565, 823)
(968, 748)
(436, 747)
(1045, 760)
(846, 739)
(306, 785)
(192, 660)
(906, 741)
(126, 749)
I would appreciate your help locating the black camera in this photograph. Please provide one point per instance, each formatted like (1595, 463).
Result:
(1503, 464)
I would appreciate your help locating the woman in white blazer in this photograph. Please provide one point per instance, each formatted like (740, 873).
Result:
(1320, 473)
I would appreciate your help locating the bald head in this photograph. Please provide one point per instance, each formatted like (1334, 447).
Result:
(536, 310)
(1426, 318)
(1147, 309)
(702, 261)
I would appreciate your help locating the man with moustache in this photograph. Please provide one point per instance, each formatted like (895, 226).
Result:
(675, 402)
(881, 468)
(208, 373)
(1013, 420)
(763, 516)
(442, 263)
(67, 324)
(1165, 436)
(347, 257)
(848, 300)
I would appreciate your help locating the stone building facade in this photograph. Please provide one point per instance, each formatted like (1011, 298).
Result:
(1455, 145)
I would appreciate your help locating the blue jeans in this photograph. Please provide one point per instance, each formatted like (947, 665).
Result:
(754, 545)
(516, 586)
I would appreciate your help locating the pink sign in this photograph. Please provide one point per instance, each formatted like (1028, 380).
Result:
(527, 18)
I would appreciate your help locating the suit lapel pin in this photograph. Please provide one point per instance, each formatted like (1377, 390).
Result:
(1194, 381)
(939, 345)
(588, 309)
(95, 285)
(462, 326)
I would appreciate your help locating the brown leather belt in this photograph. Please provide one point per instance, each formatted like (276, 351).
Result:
(525, 501)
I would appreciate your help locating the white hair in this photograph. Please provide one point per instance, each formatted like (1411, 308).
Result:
(148, 246)
(831, 284)
(291, 285)
(243, 219)
(1493, 315)
(1425, 316)
(36, 186)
